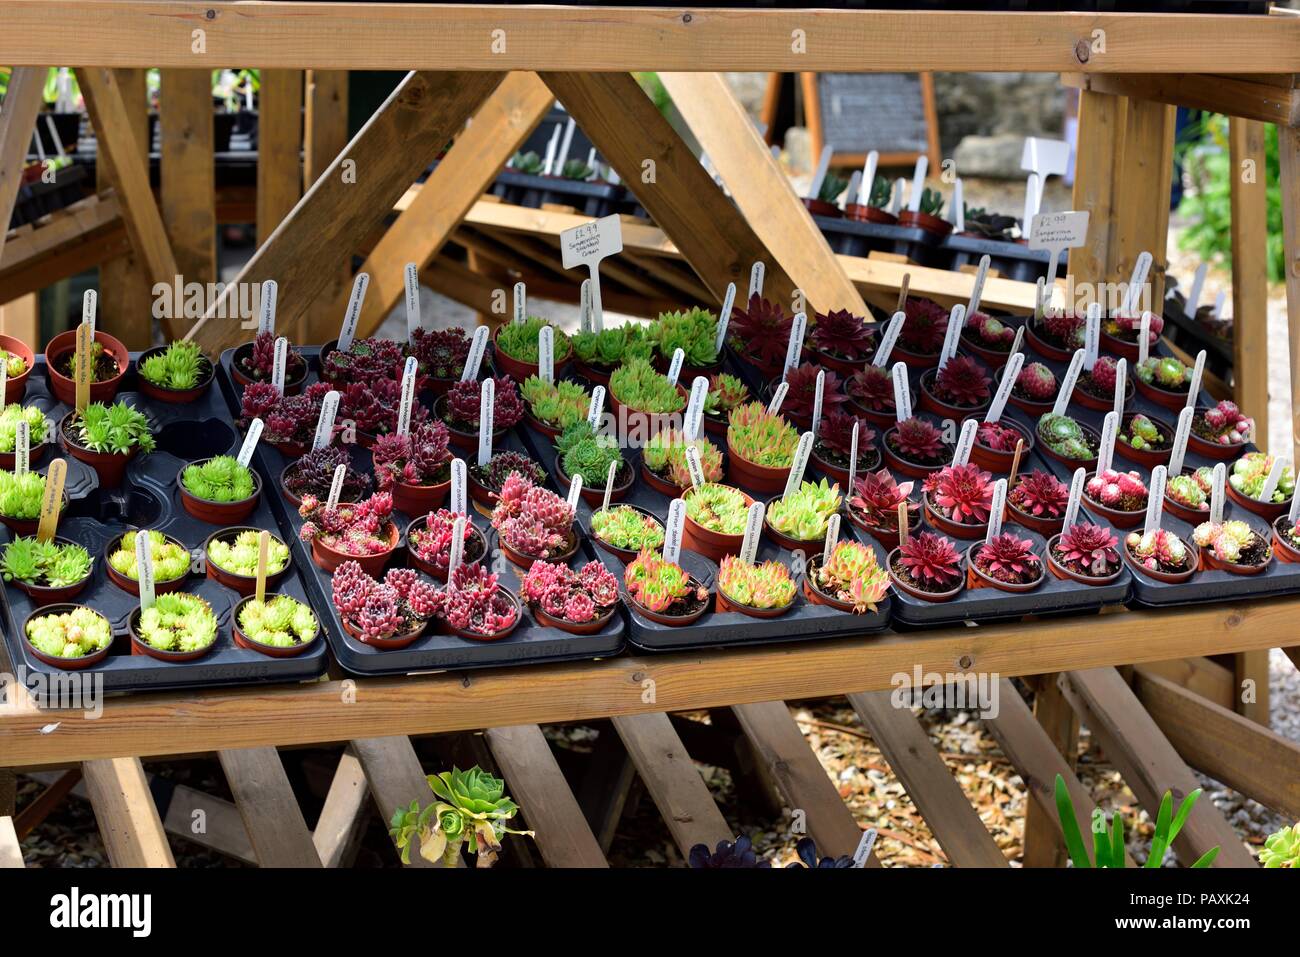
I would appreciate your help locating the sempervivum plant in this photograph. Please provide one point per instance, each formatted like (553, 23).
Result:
(998, 437)
(441, 353)
(532, 520)
(1165, 372)
(48, 564)
(73, 634)
(400, 604)
(1224, 424)
(759, 437)
(313, 474)
(178, 622)
(374, 405)
(639, 386)
(961, 493)
(876, 497)
(1233, 541)
(803, 513)
(852, 575)
(1009, 558)
(872, 388)
(765, 585)
(557, 404)
(1280, 850)
(802, 380)
(432, 542)
(577, 597)
(843, 335)
(180, 366)
(835, 440)
(760, 333)
(613, 346)
(1192, 490)
(584, 451)
(519, 340)
(353, 528)
(623, 526)
(1141, 434)
(1129, 327)
(1064, 436)
(259, 364)
(1036, 383)
(15, 365)
(20, 495)
(464, 401)
(662, 587)
(694, 331)
(926, 325)
(719, 508)
(919, 441)
(1040, 494)
(474, 601)
(170, 558)
(220, 479)
(726, 856)
(493, 475)
(1250, 472)
(1064, 330)
(239, 555)
(665, 455)
(1087, 549)
(1100, 381)
(366, 360)
(1121, 491)
(1158, 550)
(988, 332)
(117, 428)
(725, 393)
(9, 419)
(930, 562)
(420, 457)
(280, 622)
(290, 419)
(962, 382)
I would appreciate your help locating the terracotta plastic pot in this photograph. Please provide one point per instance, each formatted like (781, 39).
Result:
(244, 584)
(1282, 548)
(819, 207)
(709, 543)
(1099, 404)
(64, 388)
(174, 396)
(43, 595)
(869, 214)
(1147, 457)
(16, 385)
(932, 403)
(689, 372)
(525, 561)
(725, 605)
(887, 537)
(420, 499)
(574, 628)
(1120, 347)
(141, 647)
(909, 468)
(593, 374)
(1043, 526)
(130, 585)
(271, 651)
(632, 422)
(295, 500)
(660, 485)
(760, 478)
(1174, 401)
(1116, 517)
(624, 476)
(292, 386)
(946, 525)
(35, 454)
(519, 370)
(882, 418)
(475, 549)
(1169, 578)
(841, 475)
(329, 558)
(1211, 450)
(989, 580)
(625, 555)
(387, 644)
(459, 438)
(1044, 348)
(1211, 561)
(1061, 571)
(1192, 516)
(935, 225)
(814, 593)
(1000, 462)
(1094, 441)
(1268, 510)
(913, 360)
(67, 664)
(806, 545)
(674, 621)
(549, 431)
(1031, 406)
(993, 358)
(109, 466)
(845, 367)
(218, 513)
(904, 585)
(505, 632)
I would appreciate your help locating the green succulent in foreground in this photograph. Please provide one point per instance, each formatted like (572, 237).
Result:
(282, 622)
(50, 564)
(529, 163)
(219, 479)
(1108, 843)
(560, 404)
(472, 811)
(881, 190)
(694, 331)
(520, 341)
(170, 559)
(719, 508)
(15, 365)
(9, 419)
(180, 366)
(73, 634)
(239, 554)
(639, 386)
(1282, 849)
(624, 527)
(832, 186)
(585, 452)
(804, 513)
(1064, 436)
(178, 622)
(931, 202)
(613, 346)
(117, 428)
(21, 495)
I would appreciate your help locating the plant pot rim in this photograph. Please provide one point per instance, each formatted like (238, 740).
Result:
(395, 538)
(1012, 587)
(289, 382)
(423, 564)
(1169, 578)
(575, 628)
(274, 651)
(173, 656)
(753, 611)
(1281, 542)
(391, 643)
(232, 531)
(74, 446)
(920, 593)
(134, 583)
(440, 412)
(73, 588)
(81, 661)
(1266, 510)
(203, 382)
(947, 525)
(248, 500)
(869, 448)
(672, 621)
(524, 560)
(1078, 576)
(813, 563)
(690, 522)
(495, 636)
(948, 447)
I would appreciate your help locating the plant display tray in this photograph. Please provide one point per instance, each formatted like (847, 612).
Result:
(1012, 260)
(590, 199)
(149, 498)
(850, 237)
(529, 642)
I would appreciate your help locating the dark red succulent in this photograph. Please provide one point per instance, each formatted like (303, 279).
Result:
(842, 334)
(464, 399)
(926, 326)
(916, 440)
(989, 332)
(493, 475)
(1064, 329)
(962, 493)
(294, 417)
(313, 474)
(366, 359)
(876, 497)
(259, 365)
(441, 353)
(802, 381)
(931, 561)
(1087, 549)
(373, 406)
(1040, 494)
(1009, 558)
(873, 387)
(419, 458)
(836, 432)
(760, 333)
(257, 402)
(997, 437)
(962, 382)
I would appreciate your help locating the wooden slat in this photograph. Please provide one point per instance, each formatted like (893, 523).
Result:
(1205, 677)
(125, 811)
(314, 241)
(270, 811)
(1043, 846)
(1228, 747)
(1254, 97)
(1289, 154)
(279, 140)
(1249, 226)
(761, 189)
(1139, 214)
(11, 852)
(22, 102)
(673, 781)
(928, 782)
(1250, 696)
(537, 785)
(1101, 126)
(800, 777)
(343, 819)
(1149, 763)
(21, 318)
(188, 176)
(395, 777)
(325, 136)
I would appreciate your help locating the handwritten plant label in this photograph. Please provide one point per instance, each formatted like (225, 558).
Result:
(546, 354)
(1218, 492)
(902, 395)
(1144, 337)
(888, 338)
(597, 407)
(1194, 297)
(144, 566)
(1270, 481)
(977, 291)
(52, 501)
(753, 531)
(1121, 385)
(1018, 342)
(1181, 432)
(1000, 398)
(609, 485)
(82, 365)
(756, 274)
(1041, 301)
(695, 408)
(673, 531)
(353, 315)
(675, 366)
(477, 346)
(486, 403)
(832, 537)
(263, 558)
(584, 306)
(1076, 496)
(1057, 232)
(280, 363)
(863, 853)
(902, 523)
(778, 397)
(329, 410)
(965, 442)
(903, 288)
(801, 453)
(458, 487)
(952, 335)
(519, 304)
(266, 307)
(693, 465)
(4, 381)
(1067, 383)
(336, 485)
(90, 308)
(575, 491)
(1133, 294)
(457, 554)
(408, 397)
(918, 183)
(795, 345)
(587, 245)
(724, 317)
(819, 393)
(1155, 498)
(1293, 516)
(1106, 452)
(22, 448)
(411, 277)
(250, 442)
(996, 509)
(853, 454)
(1091, 336)
(1198, 373)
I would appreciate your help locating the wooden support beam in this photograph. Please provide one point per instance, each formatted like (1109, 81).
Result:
(1203, 676)
(56, 789)
(1256, 98)
(21, 318)
(279, 143)
(188, 175)
(1139, 214)
(1150, 765)
(315, 240)
(125, 811)
(761, 189)
(901, 739)
(608, 785)
(1248, 176)
(500, 126)
(1289, 153)
(1250, 693)
(1043, 846)
(1228, 747)
(11, 852)
(1101, 126)
(325, 136)
(800, 777)
(395, 777)
(673, 781)
(343, 819)
(538, 786)
(270, 811)
(22, 102)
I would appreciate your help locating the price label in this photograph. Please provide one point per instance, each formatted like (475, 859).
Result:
(546, 354)
(778, 397)
(753, 532)
(952, 336)
(336, 485)
(1144, 337)
(1067, 383)
(486, 405)
(996, 509)
(250, 442)
(52, 500)
(695, 408)
(411, 275)
(90, 309)
(1121, 385)
(1010, 374)
(263, 559)
(1155, 498)
(1271, 480)
(673, 531)
(756, 274)
(477, 346)
(1109, 430)
(350, 318)
(1056, 232)
(801, 453)
(1198, 372)
(266, 306)
(457, 554)
(724, 317)
(408, 397)
(609, 485)
(82, 365)
(587, 245)
(902, 395)
(853, 454)
(280, 363)
(329, 410)
(693, 465)
(575, 491)
(1076, 496)
(22, 448)
(1218, 492)
(795, 346)
(520, 304)
(597, 407)
(832, 537)
(458, 487)
(965, 442)
(144, 566)
(888, 338)
(819, 393)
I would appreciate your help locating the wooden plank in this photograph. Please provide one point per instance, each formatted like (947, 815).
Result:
(1150, 765)
(1249, 227)
(325, 136)
(800, 777)
(22, 101)
(1101, 126)
(707, 227)
(395, 777)
(460, 37)
(609, 783)
(343, 819)
(1250, 686)
(901, 739)
(1139, 215)
(188, 176)
(270, 811)
(1043, 846)
(59, 785)
(21, 318)
(1289, 154)
(314, 241)
(125, 811)
(279, 140)
(535, 782)
(1205, 677)
(11, 852)
(673, 781)
(1253, 97)
(761, 189)
(1227, 746)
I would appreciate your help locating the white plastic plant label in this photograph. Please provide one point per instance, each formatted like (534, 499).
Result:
(977, 291)
(1198, 373)
(756, 275)
(1181, 432)
(263, 560)
(888, 338)
(693, 465)
(1133, 294)
(1000, 398)
(609, 485)
(952, 335)
(1092, 336)
(486, 405)
(1121, 385)
(4, 381)
(266, 306)
(596, 408)
(22, 448)
(1057, 232)
(1144, 337)
(819, 394)
(407, 396)
(52, 500)
(575, 491)
(1194, 296)
(144, 567)
(1270, 481)
(336, 485)
(801, 453)
(477, 346)
(280, 362)
(959, 209)
(329, 410)
(1293, 516)
(819, 173)
(753, 532)
(458, 503)
(584, 306)
(250, 442)
(695, 408)
(724, 317)
(411, 281)
(673, 531)
(832, 537)
(778, 397)
(853, 455)
(587, 245)
(1041, 298)
(519, 304)
(1067, 383)
(896, 195)
(869, 174)
(1155, 498)
(1018, 342)
(795, 346)
(996, 509)
(90, 309)
(902, 395)
(675, 366)
(863, 853)
(457, 554)
(918, 183)
(546, 354)
(1076, 496)
(1218, 492)
(965, 442)
(350, 318)
(1106, 452)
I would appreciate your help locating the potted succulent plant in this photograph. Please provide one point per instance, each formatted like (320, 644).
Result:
(18, 359)
(797, 522)
(921, 339)
(374, 406)
(1286, 538)
(995, 444)
(515, 348)
(581, 450)
(828, 191)
(927, 566)
(441, 355)
(1038, 501)
(1120, 333)
(361, 531)
(873, 506)
(255, 362)
(289, 422)
(1164, 380)
(597, 354)
(801, 394)
(929, 216)
(533, 523)
(841, 340)
(726, 392)
(1144, 439)
(313, 474)
(695, 332)
(1162, 555)
(625, 530)
(1119, 497)
(988, 337)
(958, 499)
(873, 211)
(51, 572)
(106, 438)
(833, 446)
(916, 447)
(459, 410)
(415, 467)
(580, 602)
(1035, 388)
(1221, 432)
(759, 334)
(278, 626)
(176, 373)
(231, 558)
(959, 389)
(1095, 388)
(171, 562)
(763, 590)
(10, 416)
(715, 519)
(1233, 546)
(475, 606)
(851, 580)
(663, 462)
(109, 360)
(429, 538)
(485, 481)
(551, 407)
(387, 614)
(760, 448)
(20, 501)
(1085, 553)
(219, 490)
(1246, 484)
(365, 360)
(663, 591)
(1068, 440)
(176, 627)
(871, 393)
(1057, 336)
(1188, 495)
(67, 636)
(1006, 562)
(642, 398)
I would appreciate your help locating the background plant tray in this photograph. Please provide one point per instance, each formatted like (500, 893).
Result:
(1012, 260)
(149, 498)
(591, 199)
(529, 642)
(850, 237)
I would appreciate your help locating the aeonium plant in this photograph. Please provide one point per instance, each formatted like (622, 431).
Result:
(1141, 434)
(50, 564)
(1224, 425)
(834, 443)
(926, 325)
(1192, 490)
(582, 450)
(465, 402)
(519, 340)
(493, 475)
(725, 393)
(718, 508)
(760, 333)
(421, 457)
(963, 494)
(805, 512)
(376, 611)
(802, 394)
(1008, 558)
(116, 429)
(259, 363)
(928, 562)
(640, 387)
(1119, 491)
(1066, 437)
(613, 346)
(180, 366)
(170, 558)
(313, 474)
(1041, 494)
(474, 601)
(765, 585)
(872, 388)
(962, 383)
(72, 634)
(627, 528)
(577, 597)
(1158, 550)
(374, 405)
(440, 353)
(178, 622)
(532, 520)
(852, 575)
(238, 555)
(665, 456)
(471, 812)
(662, 587)
(14, 413)
(353, 528)
(1234, 542)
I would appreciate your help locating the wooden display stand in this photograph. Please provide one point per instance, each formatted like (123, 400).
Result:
(1153, 727)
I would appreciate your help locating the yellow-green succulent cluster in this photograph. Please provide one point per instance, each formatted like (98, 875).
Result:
(178, 622)
(238, 555)
(73, 634)
(281, 622)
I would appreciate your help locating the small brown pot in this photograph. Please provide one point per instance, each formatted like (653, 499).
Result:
(1268, 510)
(476, 546)
(625, 555)
(459, 438)
(841, 475)
(869, 214)
(1061, 571)
(596, 495)
(43, 595)
(271, 651)
(630, 421)
(549, 431)
(909, 468)
(1211, 450)
(295, 500)
(1211, 561)
(1030, 406)
(593, 374)
(130, 585)
(292, 450)
(292, 386)
(675, 621)
(1117, 517)
(887, 537)
(35, 454)
(387, 644)
(1088, 464)
(174, 396)
(504, 633)
(1098, 404)
(480, 493)
(329, 558)
(1043, 526)
(845, 367)
(819, 207)
(519, 370)
(993, 358)
(1283, 549)
(989, 580)
(574, 628)
(16, 385)
(526, 561)
(1175, 401)
(709, 543)
(64, 388)
(1119, 347)
(902, 584)
(1193, 516)
(1000, 462)
(109, 466)
(1044, 348)
(1149, 458)
(141, 647)
(67, 664)
(660, 485)
(932, 403)
(1169, 578)
(244, 584)
(218, 513)
(420, 499)
(814, 594)
(931, 224)
(760, 478)
(725, 604)
(913, 360)
(946, 525)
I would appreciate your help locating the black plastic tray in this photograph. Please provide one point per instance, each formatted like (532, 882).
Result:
(850, 237)
(1012, 260)
(149, 498)
(590, 199)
